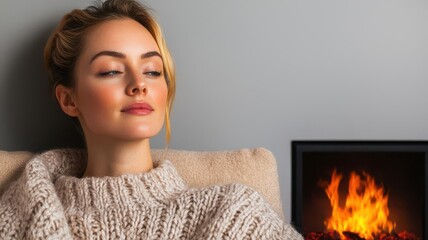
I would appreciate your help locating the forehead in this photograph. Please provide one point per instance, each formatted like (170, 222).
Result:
(122, 35)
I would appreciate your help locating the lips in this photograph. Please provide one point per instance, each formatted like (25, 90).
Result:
(138, 109)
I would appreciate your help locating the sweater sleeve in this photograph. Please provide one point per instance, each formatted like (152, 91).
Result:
(29, 208)
(244, 214)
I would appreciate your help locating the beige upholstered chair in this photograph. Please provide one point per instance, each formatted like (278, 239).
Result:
(255, 168)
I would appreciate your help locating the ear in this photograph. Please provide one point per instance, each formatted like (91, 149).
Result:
(66, 100)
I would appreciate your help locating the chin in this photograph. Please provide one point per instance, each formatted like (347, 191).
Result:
(139, 135)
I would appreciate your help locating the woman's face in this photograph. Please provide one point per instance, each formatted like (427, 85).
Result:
(120, 90)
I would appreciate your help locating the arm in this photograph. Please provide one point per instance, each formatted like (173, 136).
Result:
(30, 208)
(244, 214)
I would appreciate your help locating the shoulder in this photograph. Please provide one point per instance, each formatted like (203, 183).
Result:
(33, 196)
(241, 199)
(61, 156)
(226, 201)
(50, 164)
(59, 161)
(234, 193)
(47, 165)
(235, 200)
(239, 194)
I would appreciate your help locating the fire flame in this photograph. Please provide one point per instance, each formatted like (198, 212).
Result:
(366, 207)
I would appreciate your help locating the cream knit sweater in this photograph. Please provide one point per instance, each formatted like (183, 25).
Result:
(49, 201)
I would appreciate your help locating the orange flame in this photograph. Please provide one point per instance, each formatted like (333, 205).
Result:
(366, 207)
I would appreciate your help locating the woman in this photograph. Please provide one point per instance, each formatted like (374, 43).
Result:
(111, 70)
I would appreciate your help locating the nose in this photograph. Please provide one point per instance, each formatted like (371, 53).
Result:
(137, 85)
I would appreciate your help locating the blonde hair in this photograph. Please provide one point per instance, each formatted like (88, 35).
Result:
(65, 43)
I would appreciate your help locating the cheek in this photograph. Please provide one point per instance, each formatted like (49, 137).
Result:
(160, 93)
(97, 99)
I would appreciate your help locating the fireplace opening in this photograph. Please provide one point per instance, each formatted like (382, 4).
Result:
(360, 190)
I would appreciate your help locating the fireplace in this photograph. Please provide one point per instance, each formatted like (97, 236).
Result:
(360, 189)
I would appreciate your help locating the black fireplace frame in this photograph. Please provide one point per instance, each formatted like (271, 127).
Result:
(300, 146)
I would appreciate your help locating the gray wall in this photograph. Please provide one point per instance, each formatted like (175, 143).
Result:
(250, 73)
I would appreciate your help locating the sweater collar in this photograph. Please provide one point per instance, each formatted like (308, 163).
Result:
(156, 186)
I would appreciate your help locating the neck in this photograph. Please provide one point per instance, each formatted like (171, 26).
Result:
(113, 158)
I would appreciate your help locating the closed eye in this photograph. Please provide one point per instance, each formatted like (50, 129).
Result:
(153, 73)
(109, 73)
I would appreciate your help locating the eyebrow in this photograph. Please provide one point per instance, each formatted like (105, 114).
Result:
(121, 55)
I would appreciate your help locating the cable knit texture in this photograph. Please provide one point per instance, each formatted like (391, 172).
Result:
(50, 201)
